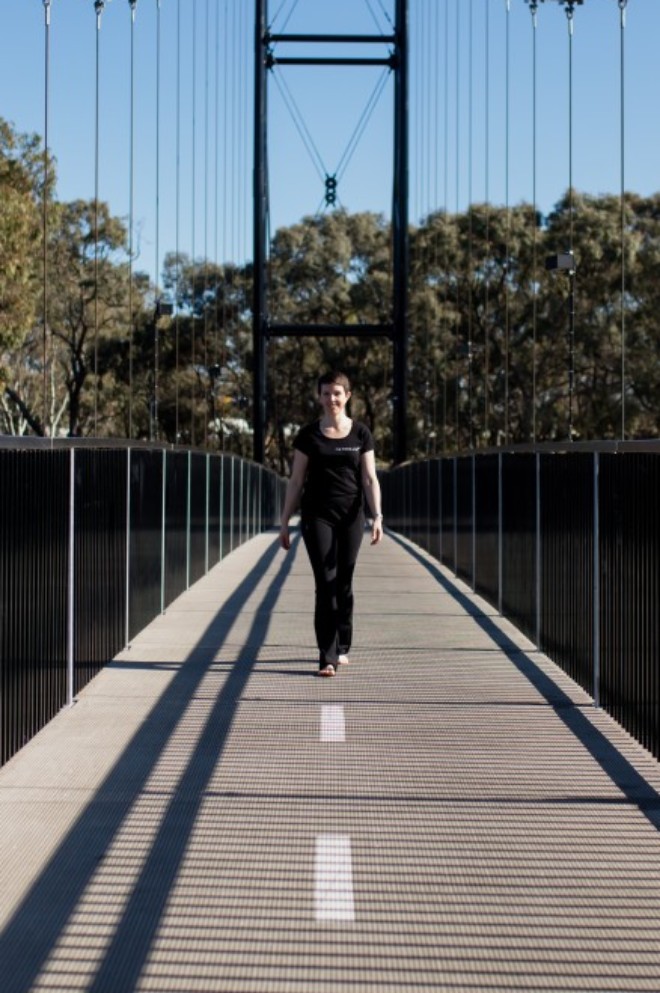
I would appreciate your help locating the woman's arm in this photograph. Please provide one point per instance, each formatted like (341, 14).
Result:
(371, 488)
(292, 496)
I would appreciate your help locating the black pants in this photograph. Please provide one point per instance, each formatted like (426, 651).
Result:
(333, 551)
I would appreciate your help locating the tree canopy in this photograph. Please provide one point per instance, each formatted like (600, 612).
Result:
(493, 335)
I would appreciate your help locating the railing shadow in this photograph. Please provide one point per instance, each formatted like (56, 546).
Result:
(24, 948)
(636, 789)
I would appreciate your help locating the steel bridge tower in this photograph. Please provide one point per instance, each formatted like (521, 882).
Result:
(396, 331)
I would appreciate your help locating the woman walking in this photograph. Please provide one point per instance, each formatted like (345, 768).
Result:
(333, 471)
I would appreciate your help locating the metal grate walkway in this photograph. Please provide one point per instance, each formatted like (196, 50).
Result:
(448, 813)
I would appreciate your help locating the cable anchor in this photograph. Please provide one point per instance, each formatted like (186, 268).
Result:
(330, 191)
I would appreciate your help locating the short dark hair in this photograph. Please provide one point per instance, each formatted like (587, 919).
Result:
(334, 376)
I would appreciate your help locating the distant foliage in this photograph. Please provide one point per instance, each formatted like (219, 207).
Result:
(489, 349)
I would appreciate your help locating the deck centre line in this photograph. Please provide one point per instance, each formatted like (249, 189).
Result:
(333, 877)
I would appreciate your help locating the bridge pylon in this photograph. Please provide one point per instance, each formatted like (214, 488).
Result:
(396, 329)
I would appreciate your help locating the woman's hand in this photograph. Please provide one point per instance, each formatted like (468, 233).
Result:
(376, 530)
(371, 488)
(292, 496)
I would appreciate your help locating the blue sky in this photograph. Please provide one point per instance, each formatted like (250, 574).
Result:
(448, 44)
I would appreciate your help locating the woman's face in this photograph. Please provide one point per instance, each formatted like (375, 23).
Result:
(333, 398)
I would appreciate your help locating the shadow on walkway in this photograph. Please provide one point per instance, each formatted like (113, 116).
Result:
(633, 785)
(31, 935)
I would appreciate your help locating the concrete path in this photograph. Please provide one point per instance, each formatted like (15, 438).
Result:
(448, 813)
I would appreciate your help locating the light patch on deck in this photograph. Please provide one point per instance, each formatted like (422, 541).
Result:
(333, 725)
(333, 875)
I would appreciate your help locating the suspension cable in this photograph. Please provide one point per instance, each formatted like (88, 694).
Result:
(569, 17)
(277, 13)
(216, 187)
(207, 39)
(288, 16)
(436, 198)
(240, 95)
(385, 14)
(235, 143)
(427, 33)
(361, 125)
(457, 151)
(570, 11)
(246, 134)
(445, 384)
(507, 129)
(373, 15)
(177, 224)
(470, 222)
(99, 6)
(487, 260)
(420, 204)
(193, 231)
(299, 122)
(131, 212)
(415, 129)
(533, 7)
(225, 197)
(622, 12)
(45, 210)
(157, 247)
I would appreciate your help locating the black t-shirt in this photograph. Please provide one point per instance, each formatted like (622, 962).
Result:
(333, 486)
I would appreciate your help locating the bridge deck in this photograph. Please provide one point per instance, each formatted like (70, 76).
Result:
(469, 823)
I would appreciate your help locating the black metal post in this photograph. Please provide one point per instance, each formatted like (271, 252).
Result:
(259, 231)
(400, 233)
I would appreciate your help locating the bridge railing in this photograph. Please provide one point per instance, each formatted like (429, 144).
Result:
(96, 539)
(563, 541)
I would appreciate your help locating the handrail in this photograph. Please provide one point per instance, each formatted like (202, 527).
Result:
(563, 540)
(98, 536)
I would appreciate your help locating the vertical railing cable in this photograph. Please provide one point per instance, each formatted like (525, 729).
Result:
(500, 536)
(474, 522)
(71, 583)
(232, 506)
(188, 518)
(538, 590)
(596, 580)
(163, 531)
(221, 510)
(127, 607)
(455, 499)
(207, 512)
